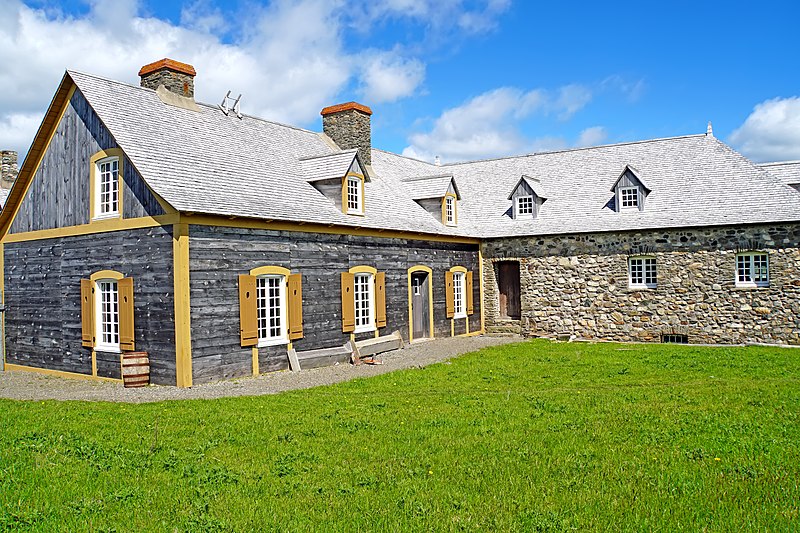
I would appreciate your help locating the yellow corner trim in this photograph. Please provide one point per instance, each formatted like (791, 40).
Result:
(480, 287)
(363, 269)
(266, 270)
(458, 269)
(58, 373)
(106, 274)
(98, 226)
(183, 320)
(420, 268)
(99, 156)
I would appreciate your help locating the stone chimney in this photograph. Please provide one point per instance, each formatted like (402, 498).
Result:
(175, 76)
(348, 125)
(8, 168)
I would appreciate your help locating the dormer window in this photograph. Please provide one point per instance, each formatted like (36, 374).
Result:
(355, 195)
(449, 216)
(526, 197)
(106, 184)
(524, 205)
(629, 191)
(629, 197)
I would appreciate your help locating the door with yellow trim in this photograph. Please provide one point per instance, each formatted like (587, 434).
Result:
(420, 306)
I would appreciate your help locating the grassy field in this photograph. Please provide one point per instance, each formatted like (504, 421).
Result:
(530, 437)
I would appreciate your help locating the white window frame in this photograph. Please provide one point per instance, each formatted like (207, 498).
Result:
(518, 207)
(622, 191)
(648, 266)
(362, 325)
(101, 344)
(459, 295)
(356, 193)
(450, 210)
(748, 260)
(116, 197)
(265, 335)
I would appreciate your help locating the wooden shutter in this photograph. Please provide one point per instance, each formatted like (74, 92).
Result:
(126, 334)
(448, 294)
(348, 302)
(380, 300)
(294, 286)
(87, 313)
(248, 313)
(470, 308)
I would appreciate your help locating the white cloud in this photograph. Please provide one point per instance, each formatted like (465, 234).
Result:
(288, 59)
(387, 76)
(439, 15)
(592, 136)
(771, 132)
(16, 126)
(487, 125)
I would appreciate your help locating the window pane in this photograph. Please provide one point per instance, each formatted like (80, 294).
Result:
(353, 194)
(363, 302)
(109, 312)
(270, 306)
(458, 293)
(629, 197)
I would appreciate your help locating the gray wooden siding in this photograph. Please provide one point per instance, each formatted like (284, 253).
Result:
(42, 295)
(218, 255)
(432, 206)
(332, 189)
(59, 194)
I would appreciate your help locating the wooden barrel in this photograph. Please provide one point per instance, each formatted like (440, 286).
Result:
(135, 369)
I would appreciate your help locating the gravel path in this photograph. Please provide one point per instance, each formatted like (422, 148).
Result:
(31, 386)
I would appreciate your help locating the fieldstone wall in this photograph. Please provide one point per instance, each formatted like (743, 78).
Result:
(578, 285)
(8, 168)
(176, 82)
(350, 129)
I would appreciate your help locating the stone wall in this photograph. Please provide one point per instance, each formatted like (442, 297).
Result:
(350, 129)
(8, 168)
(176, 82)
(578, 285)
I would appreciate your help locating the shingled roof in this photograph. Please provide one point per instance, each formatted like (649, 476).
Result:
(786, 171)
(204, 161)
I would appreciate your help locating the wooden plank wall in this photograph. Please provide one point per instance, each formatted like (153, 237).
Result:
(218, 255)
(42, 290)
(59, 194)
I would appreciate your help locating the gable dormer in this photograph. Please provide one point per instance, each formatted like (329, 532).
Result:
(340, 177)
(629, 191)
(527, 198)
(438, 195)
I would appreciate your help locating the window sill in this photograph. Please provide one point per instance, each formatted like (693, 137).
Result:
(107, 216)
(107, 348)
(263, 343)
(364, 329)
(642, 287)
(751, 286)
(459, 315)
(355, 213)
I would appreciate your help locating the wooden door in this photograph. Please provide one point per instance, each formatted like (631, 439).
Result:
(420, 306)
(508, 284)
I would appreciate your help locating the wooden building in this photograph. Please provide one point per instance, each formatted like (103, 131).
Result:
(217, 242)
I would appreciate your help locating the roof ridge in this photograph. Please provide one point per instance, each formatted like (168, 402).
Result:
(403, 156)
(577, 149)
(204, 104)
(320, 156)
(427, 177)
(778, 163)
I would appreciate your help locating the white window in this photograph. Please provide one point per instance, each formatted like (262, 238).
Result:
(629, 197)
(271, 306)
(459, 296)
(752, 270)
(642, 272)
(450, 210)
(364, 293)
(107, 188)
(355, 203)
(107, 317)
(524, 205)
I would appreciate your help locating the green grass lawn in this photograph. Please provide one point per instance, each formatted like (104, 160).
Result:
(535, 436)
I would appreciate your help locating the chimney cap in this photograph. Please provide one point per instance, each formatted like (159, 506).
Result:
(345, 107)
(166, 63)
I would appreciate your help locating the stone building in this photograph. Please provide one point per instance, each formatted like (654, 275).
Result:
(224, 244)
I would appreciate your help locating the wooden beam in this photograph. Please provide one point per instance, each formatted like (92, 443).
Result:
(98, 226)
(58, 373)
(183, 323)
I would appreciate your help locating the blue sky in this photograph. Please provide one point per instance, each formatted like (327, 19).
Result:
(458, 79)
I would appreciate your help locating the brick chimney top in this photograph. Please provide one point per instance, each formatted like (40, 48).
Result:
(338, 108)
(176, 77)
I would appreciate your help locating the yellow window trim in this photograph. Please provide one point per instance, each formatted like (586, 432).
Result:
(363, 269)
(458, 269)
(99, 156)
(413, 269)
(344, 194)
(106, 274)
(455, 209)
(267, 270)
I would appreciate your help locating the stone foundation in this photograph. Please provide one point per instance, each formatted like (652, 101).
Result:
(578, 285)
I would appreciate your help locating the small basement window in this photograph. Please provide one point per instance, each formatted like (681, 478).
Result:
(674, 338)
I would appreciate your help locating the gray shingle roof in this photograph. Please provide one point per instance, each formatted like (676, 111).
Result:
(207, 162)
(787, 171)
(422, 187)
